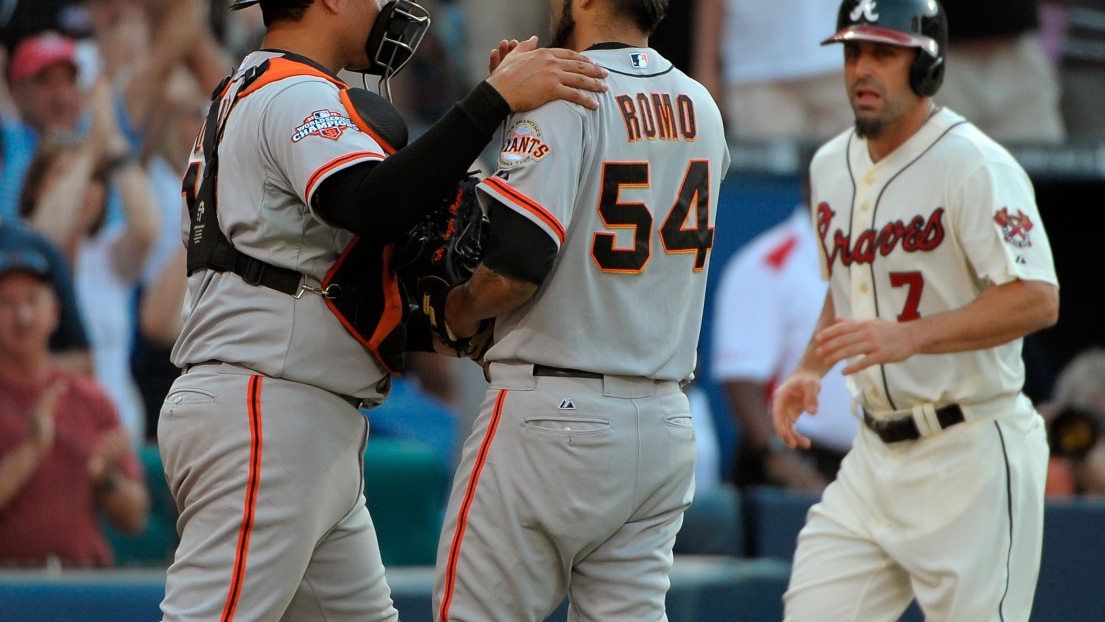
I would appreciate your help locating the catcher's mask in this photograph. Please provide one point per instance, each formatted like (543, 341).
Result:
(395, 36)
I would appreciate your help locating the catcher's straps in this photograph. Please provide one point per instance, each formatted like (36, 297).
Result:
(257, 272)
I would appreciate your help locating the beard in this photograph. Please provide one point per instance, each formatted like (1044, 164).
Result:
(870, 129)
(564, 27)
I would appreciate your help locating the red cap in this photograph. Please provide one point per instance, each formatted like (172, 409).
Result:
(36, 53)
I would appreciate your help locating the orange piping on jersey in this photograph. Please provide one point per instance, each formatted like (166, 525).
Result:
(325, 169)
(361, 124)
(253, 482)
(528, 204)
(469, 495)
(281, 68)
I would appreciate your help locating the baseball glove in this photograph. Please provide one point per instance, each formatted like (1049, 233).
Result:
(440, 253)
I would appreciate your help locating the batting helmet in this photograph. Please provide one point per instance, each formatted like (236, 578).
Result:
(919, 24)
(241, 4)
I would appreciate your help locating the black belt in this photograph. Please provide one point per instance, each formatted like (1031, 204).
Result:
(905, 428)
(564, 372)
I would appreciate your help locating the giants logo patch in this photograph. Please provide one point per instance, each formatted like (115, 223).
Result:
(917, 235)
(1014, 228)
(524, 144)
(324, 123)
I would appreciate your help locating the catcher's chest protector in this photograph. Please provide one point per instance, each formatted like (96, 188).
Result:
(360, 288)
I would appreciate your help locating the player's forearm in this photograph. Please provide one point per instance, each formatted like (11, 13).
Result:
(382, 201)
(1000, 314)
(811, 362)
(488, 294)
(126, 504)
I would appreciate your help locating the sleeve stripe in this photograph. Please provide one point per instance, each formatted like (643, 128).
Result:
(334, 164)
(528, 204)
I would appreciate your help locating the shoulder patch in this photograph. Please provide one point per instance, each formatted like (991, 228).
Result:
(525, 144)
(1015, 228)
(324, 123)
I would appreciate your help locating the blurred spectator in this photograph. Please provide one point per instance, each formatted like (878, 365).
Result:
(43, 79)
(775, 78)
(63, 456)
(1083, 70)
(1076, 425)
(64, 198)
(69, 344)
(998, 75)
(766, 308)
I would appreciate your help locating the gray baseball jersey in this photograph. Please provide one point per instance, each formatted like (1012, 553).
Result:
(579, 483)
(263, 453)
(628, 194)
(280, 143)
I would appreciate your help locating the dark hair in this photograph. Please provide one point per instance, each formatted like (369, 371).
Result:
(49, 151)
(646, 13)
(273, 11)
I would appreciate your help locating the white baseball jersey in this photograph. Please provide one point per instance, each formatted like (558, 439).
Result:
(920, 232)
(628, 193)
(281, 142)
(766, 308)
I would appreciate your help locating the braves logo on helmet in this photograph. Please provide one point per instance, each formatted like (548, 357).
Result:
(867, 10)
(1014, 228)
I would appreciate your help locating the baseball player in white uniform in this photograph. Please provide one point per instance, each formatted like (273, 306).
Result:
(938, 265)
(580, 464)
(261, 437)
(764, 310)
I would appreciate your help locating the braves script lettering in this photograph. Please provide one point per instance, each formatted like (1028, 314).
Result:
(916, 235)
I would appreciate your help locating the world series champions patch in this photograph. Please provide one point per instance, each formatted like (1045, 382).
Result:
(1015, 228)
(324, 123)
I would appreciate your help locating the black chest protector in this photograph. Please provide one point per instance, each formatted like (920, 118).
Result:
(360, 288)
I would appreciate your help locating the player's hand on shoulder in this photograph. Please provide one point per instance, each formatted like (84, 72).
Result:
(528, 77)
(878, 341)
(796, 395)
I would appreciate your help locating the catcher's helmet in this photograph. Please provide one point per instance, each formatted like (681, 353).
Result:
(919, 24)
